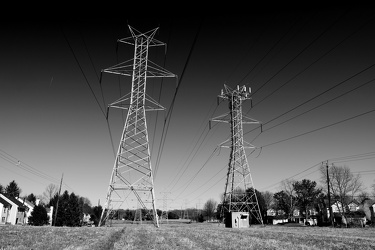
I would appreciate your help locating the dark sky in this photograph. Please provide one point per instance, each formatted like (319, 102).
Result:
(292, 60)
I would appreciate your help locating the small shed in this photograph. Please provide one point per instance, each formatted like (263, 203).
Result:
(237, 220)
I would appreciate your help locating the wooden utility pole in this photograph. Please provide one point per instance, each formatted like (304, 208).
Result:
(329, 198)
(58, 198)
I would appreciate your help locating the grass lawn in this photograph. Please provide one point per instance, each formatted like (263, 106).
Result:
(185, 236)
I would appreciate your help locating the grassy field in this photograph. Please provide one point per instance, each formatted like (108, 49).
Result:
(185, 236)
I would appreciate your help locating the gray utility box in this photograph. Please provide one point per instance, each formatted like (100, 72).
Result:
(237, 219)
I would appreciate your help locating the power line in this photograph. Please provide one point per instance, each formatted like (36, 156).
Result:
(362, 156)
(318, 59)
(318, 106)
(322, 93)
(187, 162)
(307, 169)
(83, 73)
(352, 156)
(26, 167)
(303, 50)
(269, 51)
(14, 161)
(193, 177)
(102, 93)
(169, 113)
(323, 127)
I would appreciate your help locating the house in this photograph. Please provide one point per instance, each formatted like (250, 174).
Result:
(337, 207)
(17, 211)
(271, 212)
(276, 216)
(31, 208)
(50, 213)
(86, 220)
(4, 210)
(353, 206)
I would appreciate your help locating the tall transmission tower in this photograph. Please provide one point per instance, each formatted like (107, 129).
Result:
(239, 194)
(132, 177)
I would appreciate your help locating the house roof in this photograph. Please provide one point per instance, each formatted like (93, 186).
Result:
(13, 200)
(354, 201)
(26, 202)
(4, 202)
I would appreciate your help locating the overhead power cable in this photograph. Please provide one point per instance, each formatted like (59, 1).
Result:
(196, 174)
(320, 105)
(352, 156)
(269, 51)
(160, 92)
(307, 169)
(322, 93)
(314, 62)
(169, 113)
(26, 167)
(323, 127)
(83, 73)
(100, 85)
(302, 51)
(191, 156)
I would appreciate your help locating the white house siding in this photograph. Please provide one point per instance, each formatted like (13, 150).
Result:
(13, 216)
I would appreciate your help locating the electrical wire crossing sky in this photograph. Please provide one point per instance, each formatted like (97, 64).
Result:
(312, 80)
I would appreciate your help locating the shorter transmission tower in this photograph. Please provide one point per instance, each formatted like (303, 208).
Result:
(239, 193)
(186, 211)
(164, 213)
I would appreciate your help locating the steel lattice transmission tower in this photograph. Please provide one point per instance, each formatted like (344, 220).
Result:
(132, 177)
(239, 194)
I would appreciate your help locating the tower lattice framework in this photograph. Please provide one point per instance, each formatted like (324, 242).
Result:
(131, 180)
(239, 193)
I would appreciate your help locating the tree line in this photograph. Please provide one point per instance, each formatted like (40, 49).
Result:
(69, 209)
(306, 195)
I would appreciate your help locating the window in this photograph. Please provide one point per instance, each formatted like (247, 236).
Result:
(3, 219)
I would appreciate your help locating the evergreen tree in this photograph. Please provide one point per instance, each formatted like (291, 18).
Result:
(12, 189)
(73, 212)
(2, 189)
(69, 212)
(96, 213)
(61, 209)
(31, 197)
(39, 216)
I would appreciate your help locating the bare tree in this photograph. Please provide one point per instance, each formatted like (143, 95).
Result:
(268, 198)
(344, 185)
(49, 192)
(209, 209)
(288, 188)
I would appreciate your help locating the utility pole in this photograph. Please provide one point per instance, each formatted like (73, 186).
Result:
(239, 193)
(58, 198)
(132, 174)
(329, 197)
